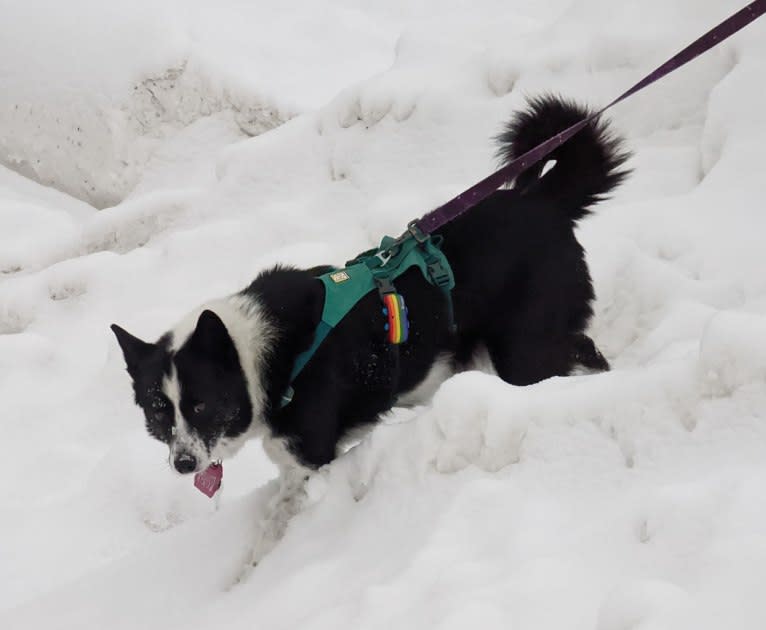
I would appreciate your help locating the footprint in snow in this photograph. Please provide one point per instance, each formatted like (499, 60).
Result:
(372, 101)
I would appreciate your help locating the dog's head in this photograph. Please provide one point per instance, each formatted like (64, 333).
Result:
(193, 391)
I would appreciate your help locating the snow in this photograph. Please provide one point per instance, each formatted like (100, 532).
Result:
(621, 501)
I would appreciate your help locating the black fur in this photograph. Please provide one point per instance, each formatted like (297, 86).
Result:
(523, 291)
(591, 161)
(148, 364)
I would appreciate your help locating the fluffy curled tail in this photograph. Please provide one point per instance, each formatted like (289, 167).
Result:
(587, 167)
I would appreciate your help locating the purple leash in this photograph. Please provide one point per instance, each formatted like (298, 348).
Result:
(445, 213)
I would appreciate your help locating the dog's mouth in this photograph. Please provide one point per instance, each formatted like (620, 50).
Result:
(209, 480)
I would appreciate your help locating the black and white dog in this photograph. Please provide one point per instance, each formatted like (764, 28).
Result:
(523, 292)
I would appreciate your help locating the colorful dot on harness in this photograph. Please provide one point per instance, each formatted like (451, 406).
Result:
(397, 326)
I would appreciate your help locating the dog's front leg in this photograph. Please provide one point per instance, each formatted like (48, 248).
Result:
(312, 420)
(286, 502)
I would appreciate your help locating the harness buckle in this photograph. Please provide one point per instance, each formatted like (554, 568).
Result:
(439, 273)
(385, 286)
(287, 397)
(384, 256)
(416, 232)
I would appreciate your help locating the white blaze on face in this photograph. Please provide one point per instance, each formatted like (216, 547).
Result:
(184, 439)
(253, 336)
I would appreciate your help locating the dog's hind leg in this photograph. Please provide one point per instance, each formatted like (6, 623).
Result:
(586, 356)
(527, 359)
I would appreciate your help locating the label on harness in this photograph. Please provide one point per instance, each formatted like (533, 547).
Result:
(339, 276)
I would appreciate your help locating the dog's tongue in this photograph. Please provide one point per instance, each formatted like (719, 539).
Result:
(209, 480)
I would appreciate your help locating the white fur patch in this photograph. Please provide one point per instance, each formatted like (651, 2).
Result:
(183, 439)
(277, 451)
(547, 167)
(253, 336)
(440, 371)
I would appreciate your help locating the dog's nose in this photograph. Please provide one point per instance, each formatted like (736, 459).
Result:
(185, 463)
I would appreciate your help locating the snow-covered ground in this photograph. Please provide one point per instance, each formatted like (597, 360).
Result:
(629, 500)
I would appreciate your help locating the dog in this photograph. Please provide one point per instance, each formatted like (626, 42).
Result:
(522, 291)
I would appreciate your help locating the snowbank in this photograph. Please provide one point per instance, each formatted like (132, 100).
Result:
(631, 499)
(91, 91)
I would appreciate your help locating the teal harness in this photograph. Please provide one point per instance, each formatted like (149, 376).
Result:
(377, 269)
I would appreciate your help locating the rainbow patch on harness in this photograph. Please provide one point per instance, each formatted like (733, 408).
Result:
(397, 325)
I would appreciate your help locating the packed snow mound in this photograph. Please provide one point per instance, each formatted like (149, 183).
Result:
(92, 91)
(96, 149)
(625, 500)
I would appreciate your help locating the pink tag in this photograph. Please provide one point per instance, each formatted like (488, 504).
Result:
(209, 480)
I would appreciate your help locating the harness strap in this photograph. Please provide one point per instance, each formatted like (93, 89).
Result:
(414, 249)
(377, 269)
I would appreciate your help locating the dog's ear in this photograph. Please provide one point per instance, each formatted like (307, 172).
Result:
(134, 349)
(212, 340)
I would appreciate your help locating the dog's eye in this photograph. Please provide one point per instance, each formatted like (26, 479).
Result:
(198, 408)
